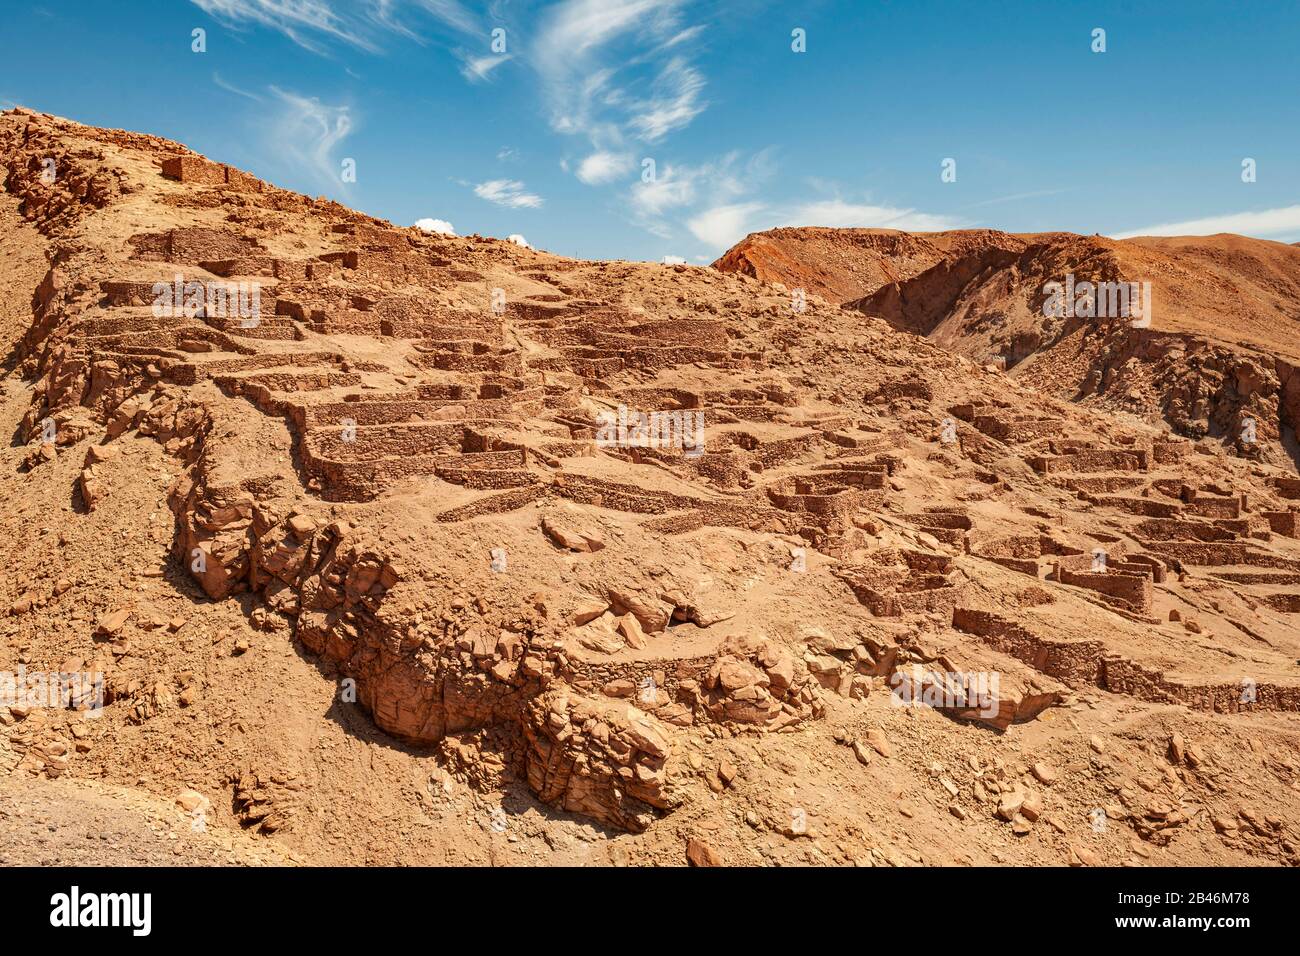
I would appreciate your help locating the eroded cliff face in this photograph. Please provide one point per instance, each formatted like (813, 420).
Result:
(420, 461)
(1213, 354)
(837, 265)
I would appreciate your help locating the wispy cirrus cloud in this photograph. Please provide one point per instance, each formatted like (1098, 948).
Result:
(510, 193)
(231, 88)
(677, 188)
(839, 214)
(1263, 224)
(306, 133)
(616, 71)
(612, 71)
(719, 203)
(1017, 197)
(450, 12)
(721, 226)
(674, 188)
(479, 68)
(305, 22)
(297, 134)
(314, 24)
(674, 102)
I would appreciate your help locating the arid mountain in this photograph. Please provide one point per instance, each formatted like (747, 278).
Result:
(842, 265)
(837, 265)
(1218, 351)
(380, 562)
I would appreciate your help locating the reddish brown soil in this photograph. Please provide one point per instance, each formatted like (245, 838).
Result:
(365, 585)
(1220, 347)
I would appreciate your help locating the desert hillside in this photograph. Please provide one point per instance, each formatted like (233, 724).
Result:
(1218, 350)
(378, 563)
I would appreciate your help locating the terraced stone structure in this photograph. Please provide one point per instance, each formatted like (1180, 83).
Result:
(570, 524)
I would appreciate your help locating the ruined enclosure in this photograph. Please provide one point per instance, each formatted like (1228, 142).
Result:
(379, 520)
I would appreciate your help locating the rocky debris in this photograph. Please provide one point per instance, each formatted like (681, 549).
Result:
(741, 690)
(604, 760)
(146, 700)
(1157, 821)
(266, 803)
(669, 628)
(562, 530)
(191, 801)
(630, 629)
(111, 622)
(862, 752)
(700, 853)
(879, 743)
(1081, 855)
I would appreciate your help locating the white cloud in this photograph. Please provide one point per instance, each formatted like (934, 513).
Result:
(674, 103)
(509, 193)
(1264, 223)
(518, 240)
(844, 215)
(306, 133)
(603, 167)
(721, 201)
(675, 188)
(346, 21)
(436, 225)
(587, 53)
(450, 12)
(296, 19)
(1016, 197)
(690, 33)
(724, 226)
(231, 88)
(479, 68)
(575, 29)
(674, 261)
(600, 63)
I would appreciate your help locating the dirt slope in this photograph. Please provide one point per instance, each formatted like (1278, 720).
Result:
(371, 572)
(835, 264)
(1219, 349)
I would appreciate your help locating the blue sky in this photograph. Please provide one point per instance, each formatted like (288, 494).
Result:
(549, 136)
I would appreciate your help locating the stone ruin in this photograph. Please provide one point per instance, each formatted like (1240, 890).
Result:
(493, 412)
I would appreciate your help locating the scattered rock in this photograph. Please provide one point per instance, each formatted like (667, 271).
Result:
(876, 737)
(862, 752)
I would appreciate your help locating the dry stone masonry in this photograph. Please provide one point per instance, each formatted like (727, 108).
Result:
(570, 525)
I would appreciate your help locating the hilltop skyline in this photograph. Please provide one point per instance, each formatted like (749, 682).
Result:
(543, 120)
